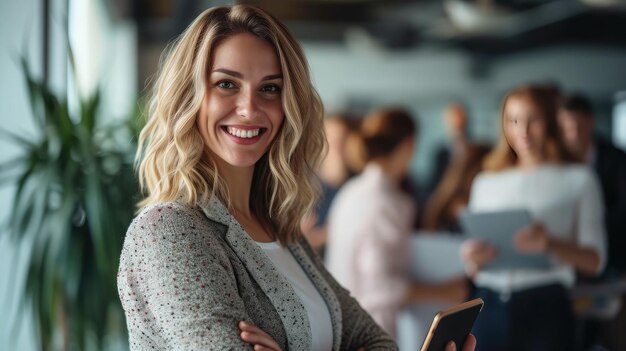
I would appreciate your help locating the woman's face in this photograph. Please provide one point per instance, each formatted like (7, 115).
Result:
(524, 127)
(242, 109)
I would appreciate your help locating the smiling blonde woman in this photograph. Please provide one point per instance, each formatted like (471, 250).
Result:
(215, 258)
(173, 161)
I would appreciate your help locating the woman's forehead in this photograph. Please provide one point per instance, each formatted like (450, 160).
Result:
(245, 52)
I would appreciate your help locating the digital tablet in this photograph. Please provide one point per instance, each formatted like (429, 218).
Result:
(499, 228)
(452, 324)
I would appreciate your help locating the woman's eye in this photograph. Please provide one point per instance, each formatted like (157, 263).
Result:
(225, 84)
(271, 88)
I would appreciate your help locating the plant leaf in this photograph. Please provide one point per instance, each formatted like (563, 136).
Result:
(24, 142)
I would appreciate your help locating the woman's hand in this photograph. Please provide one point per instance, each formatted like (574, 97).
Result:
(476, 254)
(470, 344)
(260, 340)
(532, 239)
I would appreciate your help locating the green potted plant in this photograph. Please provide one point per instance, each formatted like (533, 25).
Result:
(74, 199)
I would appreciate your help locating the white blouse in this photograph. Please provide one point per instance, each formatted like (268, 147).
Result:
(319, 316)
(566, 198)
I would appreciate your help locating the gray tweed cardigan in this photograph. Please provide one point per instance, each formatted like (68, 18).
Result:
(187, 276)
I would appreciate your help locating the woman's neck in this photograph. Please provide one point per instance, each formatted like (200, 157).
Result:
(239, 183)
(530, 161)
(390, 169)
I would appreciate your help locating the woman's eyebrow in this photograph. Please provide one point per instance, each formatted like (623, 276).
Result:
(228, 72)
(273, 76)
(240, 76)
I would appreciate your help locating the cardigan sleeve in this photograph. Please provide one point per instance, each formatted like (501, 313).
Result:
(176, 284)
(358, 327)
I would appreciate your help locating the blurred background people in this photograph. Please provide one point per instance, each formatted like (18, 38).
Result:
(333, 173)
(362, 54)
(530, 168)
(603, 314)
(450, 161)
(451, 195)
(455, 121)
(370, 222)
(576, 119)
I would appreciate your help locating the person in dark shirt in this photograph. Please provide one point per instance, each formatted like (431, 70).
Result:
(576, 119)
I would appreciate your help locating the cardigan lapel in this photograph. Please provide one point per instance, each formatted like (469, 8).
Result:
(287, 304)
(323, 288)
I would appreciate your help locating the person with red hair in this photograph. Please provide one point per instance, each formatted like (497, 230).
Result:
(530, 168)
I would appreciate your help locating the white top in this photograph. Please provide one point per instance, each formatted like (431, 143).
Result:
(369, 224)
(565, 198)
(319, 316)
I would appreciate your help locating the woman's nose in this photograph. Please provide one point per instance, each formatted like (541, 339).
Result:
(523, 129)
(247, 104)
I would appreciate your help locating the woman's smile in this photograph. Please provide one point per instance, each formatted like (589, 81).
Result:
(244, 135)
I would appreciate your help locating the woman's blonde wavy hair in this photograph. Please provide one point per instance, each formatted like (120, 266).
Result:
(171, 162)
(546, 99)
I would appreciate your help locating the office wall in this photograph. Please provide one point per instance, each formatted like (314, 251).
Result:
(426, 79)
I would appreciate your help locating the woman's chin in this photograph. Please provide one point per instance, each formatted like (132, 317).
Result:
(243, 162)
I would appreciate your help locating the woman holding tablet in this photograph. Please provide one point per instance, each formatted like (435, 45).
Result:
(529, 309)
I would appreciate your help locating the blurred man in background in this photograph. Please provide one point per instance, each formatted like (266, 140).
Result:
(455, 121)
(576, 119)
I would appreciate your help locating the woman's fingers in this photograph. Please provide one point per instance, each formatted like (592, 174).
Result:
(470, 343)
(262, 348)
(532, 239)
(451, 346)
(246, 326)
(476, 254)
(257, 337)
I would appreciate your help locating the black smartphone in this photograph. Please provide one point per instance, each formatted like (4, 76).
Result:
(452, 324)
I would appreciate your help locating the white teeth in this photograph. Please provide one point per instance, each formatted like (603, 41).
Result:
(241, 133)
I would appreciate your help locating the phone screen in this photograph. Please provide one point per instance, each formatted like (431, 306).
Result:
(452, 324)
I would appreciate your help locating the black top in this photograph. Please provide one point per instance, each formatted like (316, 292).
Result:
(610, 166)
